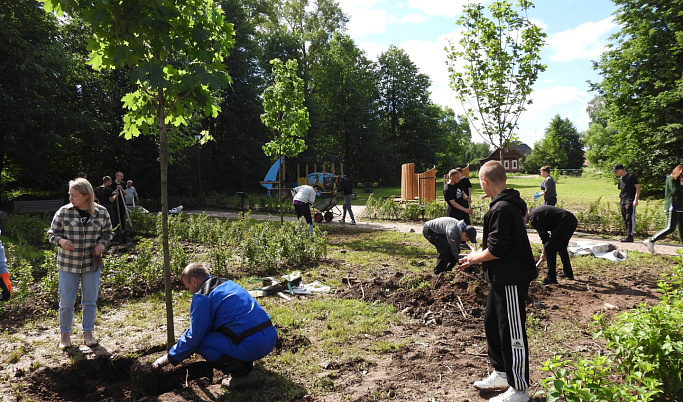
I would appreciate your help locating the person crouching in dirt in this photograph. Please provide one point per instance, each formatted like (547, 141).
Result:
(509, 267)
(446, 234)
(5, 283)
(228, 327)
(303, 199)
(555, 227)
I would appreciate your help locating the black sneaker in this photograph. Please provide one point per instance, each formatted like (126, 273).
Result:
(550, 281)
(563, 275)
(627, 239)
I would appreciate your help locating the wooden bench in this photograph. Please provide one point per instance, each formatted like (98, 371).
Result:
(36, 206)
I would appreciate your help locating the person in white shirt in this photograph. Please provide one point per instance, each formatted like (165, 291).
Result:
(303, 199)
(131, 194)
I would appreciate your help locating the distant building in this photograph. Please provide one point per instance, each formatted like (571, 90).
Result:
(511, 157)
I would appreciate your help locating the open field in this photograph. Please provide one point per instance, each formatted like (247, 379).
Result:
(388, 330)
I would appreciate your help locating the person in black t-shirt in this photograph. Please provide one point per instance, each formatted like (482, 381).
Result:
(629, 194)
(453, 195)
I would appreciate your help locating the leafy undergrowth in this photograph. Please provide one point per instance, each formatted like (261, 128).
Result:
(388, 330)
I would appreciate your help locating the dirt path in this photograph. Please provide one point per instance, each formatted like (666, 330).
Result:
(408, 227)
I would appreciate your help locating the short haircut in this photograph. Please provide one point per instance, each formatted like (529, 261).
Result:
(452, 172)
(106, 179)
(545, 169)
(82, 175)
(195, 270)
(493, 171)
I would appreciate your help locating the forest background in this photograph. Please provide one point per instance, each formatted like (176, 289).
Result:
(59, 116)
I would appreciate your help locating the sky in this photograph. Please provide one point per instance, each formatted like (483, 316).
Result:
(577, 33)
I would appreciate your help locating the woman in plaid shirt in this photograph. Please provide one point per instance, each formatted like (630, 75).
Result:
(82, 230)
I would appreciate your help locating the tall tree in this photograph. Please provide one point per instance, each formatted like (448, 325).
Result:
(285, 114)
(643, 90)
(561, 147)
(500, 57)
(347, 101)
(409, 121)
(174, 51)
(456, 135)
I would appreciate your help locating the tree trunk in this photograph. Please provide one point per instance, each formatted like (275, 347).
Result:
(163, 156)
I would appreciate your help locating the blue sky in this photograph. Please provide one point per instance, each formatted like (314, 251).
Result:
(577, 30)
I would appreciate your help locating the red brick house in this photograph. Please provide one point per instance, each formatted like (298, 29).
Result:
(511, 157)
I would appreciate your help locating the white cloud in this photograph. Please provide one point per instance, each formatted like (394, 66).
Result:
(445, 8)
(372, 49)
(586, 41)
(365, 22)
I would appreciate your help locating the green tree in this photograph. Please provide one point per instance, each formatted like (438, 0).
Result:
(642, 88)
(409, 120)
(285, 114)
(454, 143)
(547, 151)
(598, 140)
(173, 50)
(501, 57)
(347, 101)
(570, 141)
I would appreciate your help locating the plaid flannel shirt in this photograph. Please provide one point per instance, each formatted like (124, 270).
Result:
(67, 224)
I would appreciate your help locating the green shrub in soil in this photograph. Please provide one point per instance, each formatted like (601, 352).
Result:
(644, 358)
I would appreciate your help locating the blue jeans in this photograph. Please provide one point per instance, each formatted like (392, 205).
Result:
(68, 289)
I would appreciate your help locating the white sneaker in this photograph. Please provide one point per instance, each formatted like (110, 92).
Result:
(492, 382)
(511, 395)
(353, 222)
(650, 245)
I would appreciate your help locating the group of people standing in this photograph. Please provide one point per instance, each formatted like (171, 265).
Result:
(118, 197)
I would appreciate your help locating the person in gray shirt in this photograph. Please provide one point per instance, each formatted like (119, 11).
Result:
(446, 234)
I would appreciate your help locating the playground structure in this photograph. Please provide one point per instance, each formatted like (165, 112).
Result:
(420, 187)
(322, 178)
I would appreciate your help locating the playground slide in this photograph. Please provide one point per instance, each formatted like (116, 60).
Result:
(271, 176)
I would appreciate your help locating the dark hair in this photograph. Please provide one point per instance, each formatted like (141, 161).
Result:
(195, 270)
(545, 169)
(106, 179)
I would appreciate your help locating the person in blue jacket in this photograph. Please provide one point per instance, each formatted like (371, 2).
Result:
(5, 283)
(228, 327)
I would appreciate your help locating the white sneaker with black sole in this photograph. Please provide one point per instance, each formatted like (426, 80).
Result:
(512, 395)
(493, 382)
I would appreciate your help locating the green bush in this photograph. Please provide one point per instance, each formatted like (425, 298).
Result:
(644, 354)
(27, 229)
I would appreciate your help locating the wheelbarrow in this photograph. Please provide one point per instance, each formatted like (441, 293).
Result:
(328, 209)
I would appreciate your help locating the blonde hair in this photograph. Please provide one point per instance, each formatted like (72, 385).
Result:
(84, 187)
(493, 171)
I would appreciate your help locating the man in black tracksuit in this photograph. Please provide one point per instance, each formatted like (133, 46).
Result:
(555, 227)
(509, 267)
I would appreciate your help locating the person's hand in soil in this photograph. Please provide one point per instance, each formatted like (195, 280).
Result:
(160, 362)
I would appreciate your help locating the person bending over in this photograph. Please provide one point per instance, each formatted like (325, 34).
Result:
(228, 327)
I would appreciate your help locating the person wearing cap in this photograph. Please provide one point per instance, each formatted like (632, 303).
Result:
(446, 234)
(629, 194)
(303, 199)
(555, 227)
(508, 266)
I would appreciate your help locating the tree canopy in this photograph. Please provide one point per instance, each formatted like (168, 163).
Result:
(500, 58)
(642, 89)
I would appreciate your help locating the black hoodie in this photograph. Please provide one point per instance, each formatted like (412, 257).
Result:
(505, 237)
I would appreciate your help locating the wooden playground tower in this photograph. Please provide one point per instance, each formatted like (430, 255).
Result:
(420, 187)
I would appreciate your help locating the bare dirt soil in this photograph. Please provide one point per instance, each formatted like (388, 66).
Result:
(443, 352)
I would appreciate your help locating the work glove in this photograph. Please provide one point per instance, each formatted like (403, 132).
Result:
(537, 195)
(161, 362)
(6, 286)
